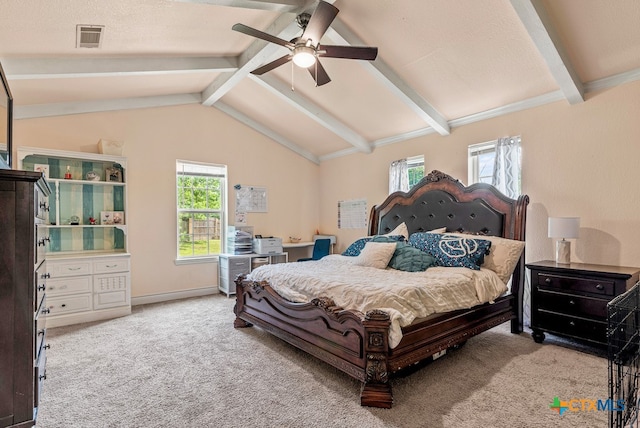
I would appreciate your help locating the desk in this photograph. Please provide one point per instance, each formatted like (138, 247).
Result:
(298, 250)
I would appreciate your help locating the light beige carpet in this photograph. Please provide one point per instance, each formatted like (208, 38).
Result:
(182, 364)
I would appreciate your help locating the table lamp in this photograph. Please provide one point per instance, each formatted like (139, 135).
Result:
(563, 228)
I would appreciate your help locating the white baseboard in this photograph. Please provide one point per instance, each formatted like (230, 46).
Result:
(88, 316)
(174, 295)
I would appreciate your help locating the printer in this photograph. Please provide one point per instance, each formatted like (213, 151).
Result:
(267, 245)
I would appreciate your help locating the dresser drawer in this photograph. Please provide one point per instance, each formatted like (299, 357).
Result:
(577, 327)
(42, 242)
(39, 376)
(41, 278)
(111, 291)
(236, 264)
(569, 304)
(68, 304)
(40, 325)
(59, 269)
(603, 287)
(70, 285)
(111, 265)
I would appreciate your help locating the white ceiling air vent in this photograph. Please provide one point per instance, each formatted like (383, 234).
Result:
(89, 36)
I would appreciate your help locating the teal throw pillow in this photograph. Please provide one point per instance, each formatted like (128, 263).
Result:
(410, 259)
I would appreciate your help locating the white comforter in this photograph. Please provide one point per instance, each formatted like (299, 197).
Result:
(405, 296)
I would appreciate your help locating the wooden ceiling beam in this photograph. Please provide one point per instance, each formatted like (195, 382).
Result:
(543, 34)
(313, 111)
(341, 34)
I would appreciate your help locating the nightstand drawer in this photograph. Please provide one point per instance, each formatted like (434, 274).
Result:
(586, 307)
(580, 284)
(572, 326)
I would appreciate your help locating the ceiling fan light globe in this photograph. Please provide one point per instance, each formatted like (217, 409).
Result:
(304, 56)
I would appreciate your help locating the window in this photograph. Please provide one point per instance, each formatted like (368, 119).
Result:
(481, 160)
(405, 173)
(201, 203)
(415, 167)
(498, 163)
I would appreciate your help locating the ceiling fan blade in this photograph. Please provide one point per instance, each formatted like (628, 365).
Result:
(273, 64)
(321, 78)
(322, 17)
(349, 52)
(261, 35)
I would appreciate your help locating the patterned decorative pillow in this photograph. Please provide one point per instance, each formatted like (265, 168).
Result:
(357, 246)
(376, 254)
(410, 259)
(503, 257)
(451, 250)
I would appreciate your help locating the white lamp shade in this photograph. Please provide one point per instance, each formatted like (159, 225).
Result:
(564, 227)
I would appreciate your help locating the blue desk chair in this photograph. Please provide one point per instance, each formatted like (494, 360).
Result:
(320, 249)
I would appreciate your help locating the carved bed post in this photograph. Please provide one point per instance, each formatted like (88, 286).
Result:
(237, 309)
(376, 390)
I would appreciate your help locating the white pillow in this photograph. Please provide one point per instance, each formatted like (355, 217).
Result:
(503, 255)
(376, 254)
(439, 230)
(400, 229)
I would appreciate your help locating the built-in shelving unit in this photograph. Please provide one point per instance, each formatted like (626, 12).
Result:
(86, 218)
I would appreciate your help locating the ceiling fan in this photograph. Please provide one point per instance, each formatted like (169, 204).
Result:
(306, 49)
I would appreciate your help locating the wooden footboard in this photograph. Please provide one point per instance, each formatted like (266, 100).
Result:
(353, 342)
(357, 343)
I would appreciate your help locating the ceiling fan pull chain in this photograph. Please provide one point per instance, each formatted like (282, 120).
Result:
(292, 89)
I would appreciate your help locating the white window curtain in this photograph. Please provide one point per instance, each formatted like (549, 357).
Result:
(398, 176)
(506, 167)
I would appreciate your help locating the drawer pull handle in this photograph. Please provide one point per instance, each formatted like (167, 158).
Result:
(47, 346)
(41, 242)
(41, 288)
(46, 311)
(572, 323)
(547, 281)
(75, 268)
(111, 266)
(599, 287)
(64, 305)
(45, 276)
(572, 302)
(41, 332)
(43, 377)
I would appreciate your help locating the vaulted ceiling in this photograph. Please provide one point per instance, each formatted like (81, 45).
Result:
(441, 63)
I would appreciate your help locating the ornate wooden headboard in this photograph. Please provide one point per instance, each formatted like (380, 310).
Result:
(440, 200)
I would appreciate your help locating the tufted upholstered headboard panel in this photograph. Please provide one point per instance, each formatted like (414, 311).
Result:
(437, 209)
(442, 201)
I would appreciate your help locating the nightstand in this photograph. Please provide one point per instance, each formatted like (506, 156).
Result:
(571, 299)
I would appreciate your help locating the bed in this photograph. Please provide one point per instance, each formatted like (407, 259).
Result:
(358, 343)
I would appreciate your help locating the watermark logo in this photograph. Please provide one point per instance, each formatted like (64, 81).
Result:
(559, 406)
(586, 405)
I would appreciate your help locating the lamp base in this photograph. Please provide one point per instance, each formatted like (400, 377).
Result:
(563, 252)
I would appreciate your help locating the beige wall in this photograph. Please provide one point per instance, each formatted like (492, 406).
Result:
(154, 139)
(578, 160)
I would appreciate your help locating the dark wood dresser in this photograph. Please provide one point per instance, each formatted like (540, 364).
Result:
(571, 299)
(23, 243)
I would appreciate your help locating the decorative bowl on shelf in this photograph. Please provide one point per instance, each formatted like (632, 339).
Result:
(92, 176)
(294, 240)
